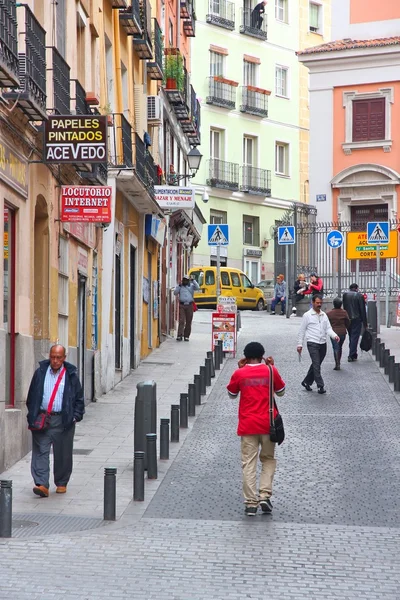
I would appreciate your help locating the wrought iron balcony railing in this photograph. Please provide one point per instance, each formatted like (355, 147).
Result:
(140, 160)
(152, 173)
(130, 18)
(189, 22)
(120, 143)
(142, 42)
(222, 92)
(155, 68)
(255, 181)
(221, 13)
(254, 24)
(8, 45)
(31, 94)
(222, 174)
(81, 107)
(191, 125)
(61, 84)
(97, 174)
(254, 101)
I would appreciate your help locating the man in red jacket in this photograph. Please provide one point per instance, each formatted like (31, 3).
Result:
(251, 380)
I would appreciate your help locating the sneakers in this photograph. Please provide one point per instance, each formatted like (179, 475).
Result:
(186, 339)
(179, 338)
(250, 511)
(321, 390)
(266, 505)
(61, 489)
(272, 312)
(305, 385)
(350, 359)
(41, 491)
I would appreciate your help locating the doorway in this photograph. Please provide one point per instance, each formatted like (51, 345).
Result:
(150, 303)
(132, 336)
(118, 315)
(82, 281)
(9, 304)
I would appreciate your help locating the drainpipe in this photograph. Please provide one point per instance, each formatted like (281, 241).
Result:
(117, 59)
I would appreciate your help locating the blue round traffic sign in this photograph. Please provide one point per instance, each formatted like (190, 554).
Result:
(335, 239)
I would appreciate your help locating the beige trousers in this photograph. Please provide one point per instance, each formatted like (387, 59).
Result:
(253, 446)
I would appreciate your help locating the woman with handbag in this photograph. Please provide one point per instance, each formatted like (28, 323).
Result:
(260, 425)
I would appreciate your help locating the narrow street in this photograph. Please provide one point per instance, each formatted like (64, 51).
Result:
(334, 531)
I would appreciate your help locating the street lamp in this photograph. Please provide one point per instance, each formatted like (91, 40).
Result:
(194, 159)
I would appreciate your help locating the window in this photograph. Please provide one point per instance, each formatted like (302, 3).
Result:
(171, 33)
(368, 120)
(251, 230)
(235, 280)
(282, 159)
(315, 17)
(218, 217)
(281, 10)
(60, 26)
(216, 146)
(249, 151)
(250, 73)
(246, 283)
(215, 7)
(209, 278)
(281, 81)
(217, 64)
(225, 278)
(63, 293)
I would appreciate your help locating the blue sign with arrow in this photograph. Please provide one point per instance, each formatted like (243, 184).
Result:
(335, 238)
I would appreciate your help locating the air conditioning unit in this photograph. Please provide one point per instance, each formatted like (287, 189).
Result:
(153, 109)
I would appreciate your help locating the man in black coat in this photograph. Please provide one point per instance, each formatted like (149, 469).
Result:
(257, 15)
(55, 382)
(354, 305)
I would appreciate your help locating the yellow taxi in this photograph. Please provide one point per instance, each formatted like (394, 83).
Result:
(233, 282)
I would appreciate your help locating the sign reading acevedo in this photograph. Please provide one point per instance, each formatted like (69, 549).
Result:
(71, 139)
(86, 204)
(174, 197)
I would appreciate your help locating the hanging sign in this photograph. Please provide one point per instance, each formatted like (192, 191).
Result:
(86, 204)
(75, 139)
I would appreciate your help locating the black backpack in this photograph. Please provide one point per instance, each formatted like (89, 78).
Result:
(366, 341)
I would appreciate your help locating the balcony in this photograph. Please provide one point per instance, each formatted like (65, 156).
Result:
(175, 76)
(186, 8)
(254, 24)
(145, 168)
(191, 126)
(81, 107)
(222, 174)
(60, 83)
(142, 42)
(189, 22)
(119, 4)
(254, 101)
(97, 174)
(120, 154)
(8, 45)
(130, 18)
(31, 94)
(221, 13)
(155, 69)
(222, 92)
(255, 181)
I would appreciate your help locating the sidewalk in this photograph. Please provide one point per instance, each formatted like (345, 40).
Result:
(391, 338)
(105, 436)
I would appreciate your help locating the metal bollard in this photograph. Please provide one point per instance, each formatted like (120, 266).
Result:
(386, 356)
(183, 411)
(110, 494)
(396, 377)
(174, 422)
(219, 354)
(164, 439)
(378, 348)
(191, 400)
(372, 315)
(381, 354)
(5, 508)
(391, 369)
(238, 320)
(207, 364)
(145, 415)
(210, 356)
(373, 349)
(217, 364)
(221, 351)
(151, 452)
(203, 388)
(138, 476)
(197, 389)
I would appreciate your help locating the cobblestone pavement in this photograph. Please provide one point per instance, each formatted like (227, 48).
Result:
(334, 533)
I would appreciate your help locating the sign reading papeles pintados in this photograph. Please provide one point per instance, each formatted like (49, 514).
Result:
(86, 204)
(74, 138)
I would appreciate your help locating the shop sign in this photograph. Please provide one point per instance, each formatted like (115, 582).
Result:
(75, 139)
(358, 248)
(174, 197)
(251, 252)
(155, 228)
(86, 204)
(13, 169)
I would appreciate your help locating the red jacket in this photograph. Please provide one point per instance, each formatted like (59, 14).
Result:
(315, 288)
(252, 382)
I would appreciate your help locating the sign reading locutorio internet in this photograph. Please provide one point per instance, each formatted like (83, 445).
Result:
(71, 139)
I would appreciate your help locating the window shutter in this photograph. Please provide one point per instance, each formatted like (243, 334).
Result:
(360, 120)
(60, 26)
(368, 120)
(377, 119)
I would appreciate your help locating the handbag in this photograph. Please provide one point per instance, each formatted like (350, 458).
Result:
(194, 306)
(366, 341)
(42, 421)
(276, 429)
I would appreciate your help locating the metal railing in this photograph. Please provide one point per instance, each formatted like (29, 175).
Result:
(61, 84)
(155, 67)
(255, 181)
(254, 102)
(120, 142)
(189, 22)
(81, 106)
(140, 161)
(254, 24)
(130, 18)
(222, 174)
(221, 13)
(221, 93)
(8, 44)
(174, 72)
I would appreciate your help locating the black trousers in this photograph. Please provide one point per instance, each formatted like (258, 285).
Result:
(62, 442)
(317, 354)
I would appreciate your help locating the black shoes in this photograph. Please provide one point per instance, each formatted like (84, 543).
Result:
(266, 505)
(351, 359)
(179, 338)
(321, 390)
(250, 511)
(305, 385)
(186, 339)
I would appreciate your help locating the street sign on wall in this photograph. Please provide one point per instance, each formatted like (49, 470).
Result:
(358, 248)
(75, 139)
(86, 203)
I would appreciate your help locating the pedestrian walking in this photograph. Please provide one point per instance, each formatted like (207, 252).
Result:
(55, 403)
(251, 380)
(354, 305)
(340, 322)
(315, 327)
(279, 295)
(184, 293)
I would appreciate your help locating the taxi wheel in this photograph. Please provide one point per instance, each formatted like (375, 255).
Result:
(260, 305)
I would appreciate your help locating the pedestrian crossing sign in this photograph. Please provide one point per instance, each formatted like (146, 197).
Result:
(286, 235)
(378, 233)
(218, 235)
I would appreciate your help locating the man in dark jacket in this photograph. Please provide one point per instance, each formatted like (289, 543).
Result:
(58, 380)
(354, 305)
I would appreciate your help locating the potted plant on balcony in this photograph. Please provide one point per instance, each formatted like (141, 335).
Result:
(174, 75)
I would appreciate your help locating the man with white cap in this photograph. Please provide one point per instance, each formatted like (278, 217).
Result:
(185, 292)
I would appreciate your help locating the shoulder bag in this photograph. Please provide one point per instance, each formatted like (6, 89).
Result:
(42, 421)
(276, 429)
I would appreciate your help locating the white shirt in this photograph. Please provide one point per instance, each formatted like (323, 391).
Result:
(49, 382)
(315, 327)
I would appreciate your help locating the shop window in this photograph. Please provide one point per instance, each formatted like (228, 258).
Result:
(9, 304)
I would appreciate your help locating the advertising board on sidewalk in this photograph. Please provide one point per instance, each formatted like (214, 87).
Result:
(224, 328)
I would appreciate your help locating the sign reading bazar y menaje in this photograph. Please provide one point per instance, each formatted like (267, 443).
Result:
(86, 204)
(174, 197)
(75, 138)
